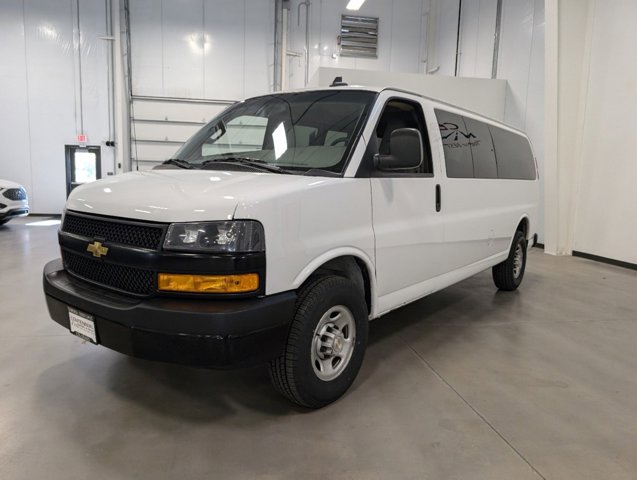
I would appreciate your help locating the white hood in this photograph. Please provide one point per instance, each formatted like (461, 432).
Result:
(183, 195)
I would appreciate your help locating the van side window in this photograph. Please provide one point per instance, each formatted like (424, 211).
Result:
(474, 149)
(456, 142)
(514, 155)
(403, 114)
(484, 163)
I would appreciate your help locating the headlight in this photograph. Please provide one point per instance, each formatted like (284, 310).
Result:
(219, 237)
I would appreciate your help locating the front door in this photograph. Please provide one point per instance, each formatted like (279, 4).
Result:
(408, 228)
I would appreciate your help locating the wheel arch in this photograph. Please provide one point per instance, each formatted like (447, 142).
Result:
(523, 225)
(348, 262)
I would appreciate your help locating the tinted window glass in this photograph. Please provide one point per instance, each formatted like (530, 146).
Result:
(456, 141)
(403, 114)
(513, 154)
(484, 165)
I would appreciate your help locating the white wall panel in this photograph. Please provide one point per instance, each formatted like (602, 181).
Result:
(258, 55)
(185, 47)
(446, 38)
(50, 70)
(481, 95)
(224, 66)
(194, 49)
(326, 18)
(384, 11)
(176, 112)
(211, 49)
(400, 36)
(406, 32)
(43, 106)
(567, 59)
(521, 63)
(176, 133)
(152, 152)
(147, 47)
(514, 59)
(534, 105)
(15, 161)
(95, 72)
(606, 219)
(477, 38)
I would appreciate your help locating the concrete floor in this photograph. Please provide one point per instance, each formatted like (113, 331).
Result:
(465, 384)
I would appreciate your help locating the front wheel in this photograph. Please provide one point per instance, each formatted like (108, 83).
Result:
(508, 274)
(326, 343)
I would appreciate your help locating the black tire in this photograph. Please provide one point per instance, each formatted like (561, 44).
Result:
(2, 222)
(293, 373)
(508, 275)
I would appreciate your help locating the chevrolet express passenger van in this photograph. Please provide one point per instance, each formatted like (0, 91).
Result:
(286, 224)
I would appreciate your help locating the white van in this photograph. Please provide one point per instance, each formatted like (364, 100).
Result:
(286, 224)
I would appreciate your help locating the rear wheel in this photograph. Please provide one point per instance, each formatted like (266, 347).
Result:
(508, 275)
(326, 343)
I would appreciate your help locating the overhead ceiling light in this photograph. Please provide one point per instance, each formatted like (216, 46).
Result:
(354, 4)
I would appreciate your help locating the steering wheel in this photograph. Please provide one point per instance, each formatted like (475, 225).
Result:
(338, 140)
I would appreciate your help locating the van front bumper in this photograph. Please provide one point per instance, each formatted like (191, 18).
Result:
(202, 332)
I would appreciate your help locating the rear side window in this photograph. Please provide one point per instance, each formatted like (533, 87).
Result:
(474, 149)
(484, 164)
(456, 144)
(514, 155)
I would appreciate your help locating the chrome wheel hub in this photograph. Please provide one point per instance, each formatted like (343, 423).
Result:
(333, 342)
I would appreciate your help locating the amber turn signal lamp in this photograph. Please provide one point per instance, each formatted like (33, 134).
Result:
(173, 282)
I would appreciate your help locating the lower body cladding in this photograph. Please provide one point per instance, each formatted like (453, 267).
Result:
(207, 333)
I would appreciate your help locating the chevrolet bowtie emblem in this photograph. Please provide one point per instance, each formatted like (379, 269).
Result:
(97, 249)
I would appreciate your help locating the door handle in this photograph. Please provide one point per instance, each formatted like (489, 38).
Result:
(438, 198)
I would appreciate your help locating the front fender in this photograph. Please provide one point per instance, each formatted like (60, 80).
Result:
(325, 257)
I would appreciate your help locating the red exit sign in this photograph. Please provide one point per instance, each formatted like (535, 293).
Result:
(81, 138)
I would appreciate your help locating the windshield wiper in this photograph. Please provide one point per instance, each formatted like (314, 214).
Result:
(178, 162)
(248, 162)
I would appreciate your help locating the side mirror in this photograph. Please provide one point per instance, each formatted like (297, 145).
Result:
(405, 145)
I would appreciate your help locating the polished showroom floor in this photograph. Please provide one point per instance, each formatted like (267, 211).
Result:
(466, 384)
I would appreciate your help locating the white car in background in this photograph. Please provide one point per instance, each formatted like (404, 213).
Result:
(14, 201)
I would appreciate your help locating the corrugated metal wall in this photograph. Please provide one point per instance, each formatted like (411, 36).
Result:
(189, 61)
(53, 83)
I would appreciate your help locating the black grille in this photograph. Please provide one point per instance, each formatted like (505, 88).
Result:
(15, 194)
(127, 279)
(141, 236)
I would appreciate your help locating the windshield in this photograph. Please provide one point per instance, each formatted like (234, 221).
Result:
(297, 132)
